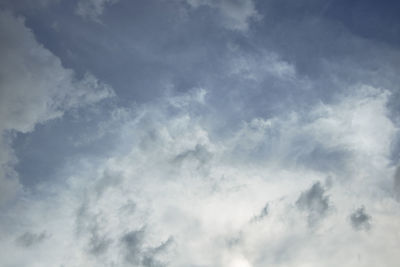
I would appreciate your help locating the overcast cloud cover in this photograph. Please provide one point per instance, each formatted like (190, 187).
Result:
(199, 133)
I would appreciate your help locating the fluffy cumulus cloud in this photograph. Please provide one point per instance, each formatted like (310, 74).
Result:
(251, 167)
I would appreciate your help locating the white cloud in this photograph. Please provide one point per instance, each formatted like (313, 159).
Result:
(173, 180)
(93, 9)
(35, 88)
(236, 15)
(258, 66)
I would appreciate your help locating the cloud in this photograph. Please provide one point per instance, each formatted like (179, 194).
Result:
(200, 155)
(133, 242)
(315, 202)
(29, 239)
(35, 88)
(93, 9)
(264, 212)
(235, 15)
(98, 244)
(185, 173)
(109, 179)
(397, 183)
(149, 203)
(137, 254)
(360, 219)
(88, 226)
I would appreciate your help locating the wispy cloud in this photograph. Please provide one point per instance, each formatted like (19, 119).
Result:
(93, 9)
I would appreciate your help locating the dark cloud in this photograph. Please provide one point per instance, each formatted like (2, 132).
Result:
(264, 212)
(81, 218)
(315, 202)
(199, 153)
(133, 242)
(98, 243)
(29, 239)
(150, 260)
(360, 220)
(397, 183)
(87, 226)
(137, 254)
(163, 246)
(108, 179)
(324, 159)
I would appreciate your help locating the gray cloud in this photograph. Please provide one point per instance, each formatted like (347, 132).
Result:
(137, 254)
(88, 227)
(199, 154)
(133, 242)
(108, 179)
(397, 183)
(128, 208)
(98, 244)
(314, 202)
(324, 158)
(360, 220)
(81, 219)
(29, 239)
(264, 212)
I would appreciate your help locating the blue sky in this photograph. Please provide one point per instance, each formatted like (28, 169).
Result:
(233, 133)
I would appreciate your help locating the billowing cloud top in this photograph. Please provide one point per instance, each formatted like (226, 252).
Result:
(199, 133)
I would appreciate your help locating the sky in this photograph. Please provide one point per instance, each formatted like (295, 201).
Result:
(199, 133)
